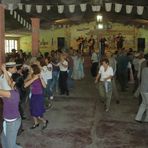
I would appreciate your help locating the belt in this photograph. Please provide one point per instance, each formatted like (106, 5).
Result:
(11, 120)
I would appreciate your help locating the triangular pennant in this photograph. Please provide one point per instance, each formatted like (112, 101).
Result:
(39, 8)
(140, 10)
(72, 8)
(60, 9)
(20, 6)
(83, 7)
(108, 7)
(28, 8)
(118, 7)
(129, 9)
(98, 8)
(48, 7)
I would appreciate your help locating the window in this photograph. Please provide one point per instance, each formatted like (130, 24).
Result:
(10, 44)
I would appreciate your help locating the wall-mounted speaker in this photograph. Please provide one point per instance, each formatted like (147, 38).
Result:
(141, 44)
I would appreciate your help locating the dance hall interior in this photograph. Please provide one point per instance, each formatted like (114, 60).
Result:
(73, 73)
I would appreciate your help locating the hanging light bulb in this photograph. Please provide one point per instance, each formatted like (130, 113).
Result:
(99, 18)
(100, 26)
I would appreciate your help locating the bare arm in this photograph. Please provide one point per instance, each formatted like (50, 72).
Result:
(30, 81)
(5, 93)
(43, 82)
(97, 78)
(55, 64)
(64, 65)
(9, 80)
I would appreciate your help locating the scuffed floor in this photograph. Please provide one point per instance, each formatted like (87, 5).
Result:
(79, 121)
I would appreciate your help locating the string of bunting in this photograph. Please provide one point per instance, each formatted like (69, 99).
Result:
(20, 19)
(83, 7)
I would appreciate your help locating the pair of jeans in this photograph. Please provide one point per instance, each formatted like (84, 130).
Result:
(70, 81)
(105, 96)
(143, 108)
(49, 89)
(9, 134)
(55, 78)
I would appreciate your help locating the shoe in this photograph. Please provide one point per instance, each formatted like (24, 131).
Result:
(106, 109)
(62, 93)
(138, 121)
(51, 97)
(45, 125)
(20, 132)
(23, 118)
(67, 93)
(48, 106)
(34, 126)
(117, 101)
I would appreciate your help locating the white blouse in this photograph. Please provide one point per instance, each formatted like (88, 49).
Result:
(63, 68)
(104, 74)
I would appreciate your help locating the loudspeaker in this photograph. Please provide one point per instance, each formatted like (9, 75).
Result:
(61, 42)
(141, 44)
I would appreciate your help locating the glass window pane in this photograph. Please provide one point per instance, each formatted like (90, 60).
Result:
(11, 44)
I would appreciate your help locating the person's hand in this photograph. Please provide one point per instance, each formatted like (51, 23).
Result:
(3, 67)
(105, 79)
(35, 77)
(96, 81)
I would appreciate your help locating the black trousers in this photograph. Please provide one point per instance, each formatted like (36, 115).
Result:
(63, 82)
(123, 79)
(94, 69)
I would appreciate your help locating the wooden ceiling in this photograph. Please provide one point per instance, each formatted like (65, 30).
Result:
(48, 18)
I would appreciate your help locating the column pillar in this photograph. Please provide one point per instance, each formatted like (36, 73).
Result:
(35, 35)
(2, 34)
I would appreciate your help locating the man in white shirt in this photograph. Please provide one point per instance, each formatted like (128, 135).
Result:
(104, 76)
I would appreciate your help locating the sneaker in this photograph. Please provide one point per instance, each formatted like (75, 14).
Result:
(20, 132)
(138, 121)
(107, 109)
(51, 97)
(23, 118)
(117, 101)
(67, 93)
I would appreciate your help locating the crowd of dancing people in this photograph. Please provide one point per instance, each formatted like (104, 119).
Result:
(122, 68)
(36, 79)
